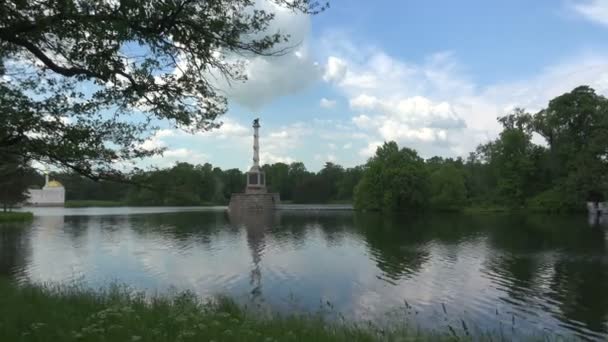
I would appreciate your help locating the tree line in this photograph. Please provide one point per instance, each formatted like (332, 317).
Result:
(569, 169)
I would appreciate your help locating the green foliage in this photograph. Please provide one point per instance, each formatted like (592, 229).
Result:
(575, 126)
(182, 185)
(555, 200)
(448, 190)
(14, 179)
(91, 80)
(348, 182)
(279, 179)
(16, 216)
(393, 180)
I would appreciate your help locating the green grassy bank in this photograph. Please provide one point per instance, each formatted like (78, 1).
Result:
(86, 204)
(59, 313)
(110, 204)
(14, 216)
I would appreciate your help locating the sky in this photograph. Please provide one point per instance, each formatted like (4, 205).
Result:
(431, 75)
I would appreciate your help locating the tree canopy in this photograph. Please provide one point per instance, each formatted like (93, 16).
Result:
(83, 83)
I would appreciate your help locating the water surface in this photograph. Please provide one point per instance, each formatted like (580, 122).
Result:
(524, 274)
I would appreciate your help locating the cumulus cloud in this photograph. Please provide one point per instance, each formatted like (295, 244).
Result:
(172, 156)
(370, 149)
(433, 106)
(594, 10)
(270, 77)
(335, 70)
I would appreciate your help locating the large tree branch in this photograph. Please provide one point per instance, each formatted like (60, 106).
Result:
(38, 53)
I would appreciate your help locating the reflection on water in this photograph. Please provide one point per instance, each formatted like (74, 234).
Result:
(507, 272)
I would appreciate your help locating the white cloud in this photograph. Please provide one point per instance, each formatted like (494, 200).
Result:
(323, 158)
(271, 77)
(172, 156)
(271, 158)
(433, 106)
(335, 69)
(370, 149)
(276, 146)
(327, 103)
(594, 10)
(279, 135)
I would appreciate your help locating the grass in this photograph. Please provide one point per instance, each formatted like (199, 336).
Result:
(477, 209)
(74, 313)
(110, 204)
(16, 216)
(87, 203)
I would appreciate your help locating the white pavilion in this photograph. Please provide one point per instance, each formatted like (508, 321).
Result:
(51, 194)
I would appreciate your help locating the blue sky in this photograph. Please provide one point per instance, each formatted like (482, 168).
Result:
(432, 75)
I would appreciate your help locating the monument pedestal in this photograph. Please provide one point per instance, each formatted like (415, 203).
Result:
(240, 203)
(256, 196)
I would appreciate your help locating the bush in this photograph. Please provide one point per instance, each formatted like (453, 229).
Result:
(554, 200)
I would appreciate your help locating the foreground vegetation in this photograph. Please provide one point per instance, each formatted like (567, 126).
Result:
(60, 313)
(14, 216)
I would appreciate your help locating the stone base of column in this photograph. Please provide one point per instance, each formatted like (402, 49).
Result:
(252, 202)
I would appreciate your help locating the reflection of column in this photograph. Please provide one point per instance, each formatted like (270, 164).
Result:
(256, 225)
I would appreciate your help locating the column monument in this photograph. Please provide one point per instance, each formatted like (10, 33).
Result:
(256, 196)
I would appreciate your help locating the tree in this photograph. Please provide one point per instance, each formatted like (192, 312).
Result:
(13, 180)
(447, 188)
(84, 83)
(350, 179)
(330, 176)
(393, 180)
(575, 125)
(313, 189)
(277, 179)
(511, 159)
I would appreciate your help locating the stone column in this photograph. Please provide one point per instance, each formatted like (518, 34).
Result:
(256, 143)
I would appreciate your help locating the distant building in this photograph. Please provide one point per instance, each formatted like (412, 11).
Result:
(52, 194)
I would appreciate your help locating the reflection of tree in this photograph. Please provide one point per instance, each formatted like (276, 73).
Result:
(257, 224)
(581, 289)
(295, 225)
(399, 246)
(14, 247)
(579, 278)
(183, 228)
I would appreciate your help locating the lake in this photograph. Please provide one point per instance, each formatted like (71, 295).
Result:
(510, 273)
